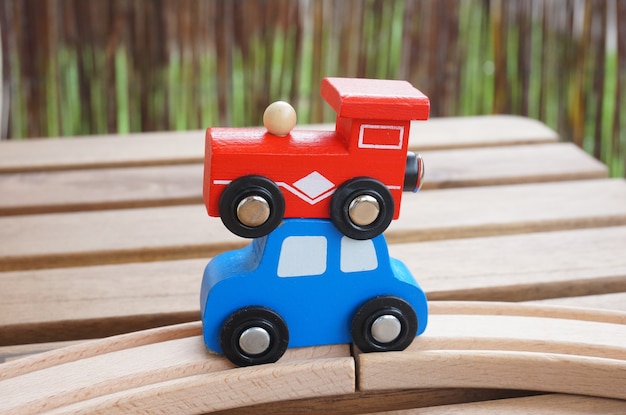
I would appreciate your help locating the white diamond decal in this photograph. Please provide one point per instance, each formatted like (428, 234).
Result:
(314, 184)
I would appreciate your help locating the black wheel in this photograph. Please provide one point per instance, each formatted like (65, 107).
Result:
(253, 336)
(362, 208)
(384, 323)
(252, 206)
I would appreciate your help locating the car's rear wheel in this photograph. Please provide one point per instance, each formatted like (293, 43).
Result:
(362, 208)
(253, 336)
(384, 323)
(251, 206)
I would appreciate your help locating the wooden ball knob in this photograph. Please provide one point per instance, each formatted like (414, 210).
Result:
(279, 118)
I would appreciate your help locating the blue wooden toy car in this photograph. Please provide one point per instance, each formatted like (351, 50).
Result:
(307, 284)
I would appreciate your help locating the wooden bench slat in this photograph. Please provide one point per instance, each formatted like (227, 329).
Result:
(89, 238)
(500, 210)
(97, 301)
(509, 165)
(520, 267)
(479, 131)
(163, 148)
(612, 301)
(93, 189)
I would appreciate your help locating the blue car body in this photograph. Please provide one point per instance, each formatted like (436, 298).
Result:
(313, 276)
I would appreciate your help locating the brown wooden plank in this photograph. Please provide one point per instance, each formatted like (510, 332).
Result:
(509, 165)
(612, 301)
(372, 401)
(550, 404)
(500, 210)
(480, 131)
(95, 189)
(97, 301)
(145, 149)
(165, 148)
(88, 238)
(91, 189)
(520, 267)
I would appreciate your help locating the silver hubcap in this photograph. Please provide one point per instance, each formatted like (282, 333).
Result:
(363, 210)
(253, 211)
(254, 340)
(386, 328)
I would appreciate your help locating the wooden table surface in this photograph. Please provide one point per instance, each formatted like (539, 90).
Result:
(106, 235)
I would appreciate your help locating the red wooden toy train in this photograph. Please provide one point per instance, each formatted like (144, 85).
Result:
(354, 175)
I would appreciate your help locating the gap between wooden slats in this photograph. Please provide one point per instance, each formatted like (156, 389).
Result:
(133, 187)
(164, 148)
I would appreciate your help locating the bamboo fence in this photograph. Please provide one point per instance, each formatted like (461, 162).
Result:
(74, 67)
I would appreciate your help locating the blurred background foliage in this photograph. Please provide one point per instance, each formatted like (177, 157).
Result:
(74, 67)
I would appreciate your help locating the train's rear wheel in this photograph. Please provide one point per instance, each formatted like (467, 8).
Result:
(251, 206)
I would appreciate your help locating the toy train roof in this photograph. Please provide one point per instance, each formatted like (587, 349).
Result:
(379, 99)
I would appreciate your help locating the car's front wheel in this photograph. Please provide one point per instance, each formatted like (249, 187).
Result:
(384, 323)
(253, 336)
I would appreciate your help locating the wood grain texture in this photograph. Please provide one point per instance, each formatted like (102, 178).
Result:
(89, 238)
(524, 348)
(509, 165)
(164, 371)
(480, 131)
(170, 371)
(613, 301)
(551, 404)
(520, 267)
(501, 210)
(95, 189)
(129, 187)
(97, 301)
(166, 148)
(20, 351)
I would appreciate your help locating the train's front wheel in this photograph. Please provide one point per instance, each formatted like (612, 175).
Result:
(362, 208)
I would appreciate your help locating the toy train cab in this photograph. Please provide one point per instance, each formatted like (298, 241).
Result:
(307, 284)
(354, 175)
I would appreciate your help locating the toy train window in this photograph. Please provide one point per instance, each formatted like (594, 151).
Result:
(301, 256)
(386, 137)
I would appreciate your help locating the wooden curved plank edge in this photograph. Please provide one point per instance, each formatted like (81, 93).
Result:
(467, 345)
(155, 366)
(527, 310)
(552, 404)
(494, 369)
(511, 346)
(97, 347)
(228, 389)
